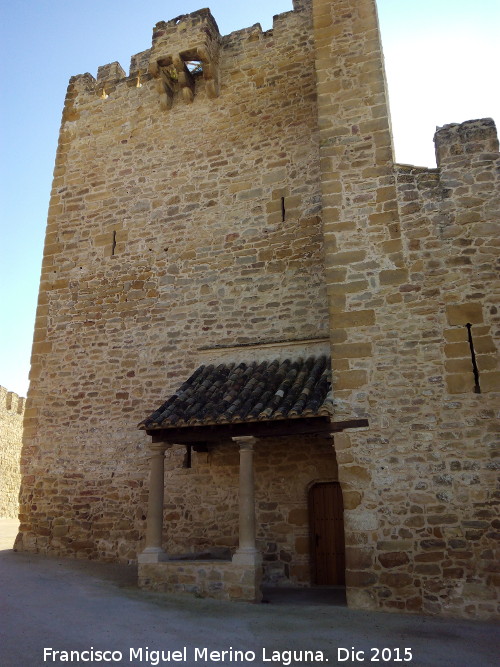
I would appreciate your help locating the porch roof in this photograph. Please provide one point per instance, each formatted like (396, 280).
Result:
(236, 393)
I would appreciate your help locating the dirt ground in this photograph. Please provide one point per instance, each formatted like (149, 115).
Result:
(50, 607)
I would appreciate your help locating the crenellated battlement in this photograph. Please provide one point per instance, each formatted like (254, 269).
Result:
(11, 402)
(139, 64)
(184, 50)
(106, 75)
(459, 141)
(459, 195)
(187, 26)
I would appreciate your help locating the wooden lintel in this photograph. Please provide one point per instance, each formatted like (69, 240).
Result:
(285, 427)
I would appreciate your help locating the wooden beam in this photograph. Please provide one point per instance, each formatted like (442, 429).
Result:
(286, 427)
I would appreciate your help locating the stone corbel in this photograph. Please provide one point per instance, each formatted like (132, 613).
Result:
(165, 89)
(210, 72)
(185, 79)
(164, 85)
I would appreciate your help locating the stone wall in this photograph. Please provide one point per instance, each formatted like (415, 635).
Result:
(11, 433)
(255, 201)
(202, 502)
(409, 264)
(169, 230)
(222, 580)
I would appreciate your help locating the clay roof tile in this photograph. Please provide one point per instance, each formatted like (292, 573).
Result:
(231, 393)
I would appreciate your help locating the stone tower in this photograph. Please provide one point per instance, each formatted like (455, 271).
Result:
(234, 199)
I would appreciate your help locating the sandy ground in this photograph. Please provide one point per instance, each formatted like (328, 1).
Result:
(61, 605)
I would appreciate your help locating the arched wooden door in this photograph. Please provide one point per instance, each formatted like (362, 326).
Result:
(326, 512)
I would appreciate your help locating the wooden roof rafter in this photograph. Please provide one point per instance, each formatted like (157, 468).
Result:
(213, 433)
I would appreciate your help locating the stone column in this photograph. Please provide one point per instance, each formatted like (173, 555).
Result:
(153, 551)
(247, 553)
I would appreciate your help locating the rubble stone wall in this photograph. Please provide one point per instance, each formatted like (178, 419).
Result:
(410, 257)
(222, 580)
(201, 502)
(11, 432)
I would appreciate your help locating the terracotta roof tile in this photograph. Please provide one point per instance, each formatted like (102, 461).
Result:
(232, 393)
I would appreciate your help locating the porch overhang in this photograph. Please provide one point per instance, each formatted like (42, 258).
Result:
(239, 403)
(260, 399)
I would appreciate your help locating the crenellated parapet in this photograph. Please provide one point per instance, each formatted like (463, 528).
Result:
(139, 68)
(107, 76)
(460, 141)
(183, 49)
(11, 402)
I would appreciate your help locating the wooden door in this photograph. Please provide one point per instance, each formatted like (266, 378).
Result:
(327, 534)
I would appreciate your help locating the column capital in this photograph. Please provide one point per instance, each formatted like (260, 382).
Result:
(245, 441)
(158, 447)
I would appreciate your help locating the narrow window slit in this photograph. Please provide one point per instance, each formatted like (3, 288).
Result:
(477, 388)
(188, 457)
(283, 211)
(113, 245)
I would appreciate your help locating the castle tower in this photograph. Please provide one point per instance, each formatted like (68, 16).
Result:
(233, 202)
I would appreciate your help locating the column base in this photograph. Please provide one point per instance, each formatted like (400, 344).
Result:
(152, 555)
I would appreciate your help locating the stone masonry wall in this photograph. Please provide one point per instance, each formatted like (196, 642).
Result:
(409, 263)
(11, 432)
(218, 579)
(202, 502)
(169, 229)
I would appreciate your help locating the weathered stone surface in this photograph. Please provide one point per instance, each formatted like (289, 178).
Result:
(394, 559)
(213, 579)
(466, 313)
(394, 277)
(396, 580)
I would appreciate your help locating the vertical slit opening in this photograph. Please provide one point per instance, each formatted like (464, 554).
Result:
(188, 457)
(475, 369)
(283, 211)
(113, 244)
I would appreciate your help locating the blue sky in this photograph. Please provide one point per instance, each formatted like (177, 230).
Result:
(442, 64)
